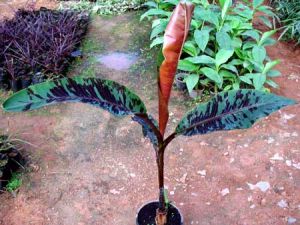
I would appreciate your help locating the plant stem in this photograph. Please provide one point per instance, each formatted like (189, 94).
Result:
(160, 165)
(161, 212)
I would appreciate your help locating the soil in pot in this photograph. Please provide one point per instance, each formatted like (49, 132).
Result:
(146, 215)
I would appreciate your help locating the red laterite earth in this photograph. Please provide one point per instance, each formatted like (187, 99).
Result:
(89, 168)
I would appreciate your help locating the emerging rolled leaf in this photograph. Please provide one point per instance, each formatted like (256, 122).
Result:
(237, 109)
(174, 39)
(104, 94)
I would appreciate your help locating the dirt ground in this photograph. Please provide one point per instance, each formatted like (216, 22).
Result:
(97, 169)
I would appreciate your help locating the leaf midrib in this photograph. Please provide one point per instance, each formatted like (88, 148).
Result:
(222, 115)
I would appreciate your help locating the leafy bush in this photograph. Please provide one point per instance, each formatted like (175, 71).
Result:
(104, 7)
(38, 42)
(288, 12)
(10, 159)
(223, 50)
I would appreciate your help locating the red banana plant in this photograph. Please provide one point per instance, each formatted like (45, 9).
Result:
(174, 38)
(236, 109)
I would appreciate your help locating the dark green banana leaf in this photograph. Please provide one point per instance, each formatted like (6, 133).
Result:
(147, 129)
(104, 94)
(237, 109)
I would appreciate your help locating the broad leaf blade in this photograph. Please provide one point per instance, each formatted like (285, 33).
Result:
(186, 65)
(270, 65)
(259, 53)
(146, 128)
(238, 109)
(213, 75)
(224, 40)
(223, 56)
(104, 94)
(201, 38)
(191, 81)
(202, 59)
(174, 38)
(157, 41)
(265, 36)
(190, 48)
(257, 3)
(154, 12)
(259, 80)
(225, 7)
(252, 33)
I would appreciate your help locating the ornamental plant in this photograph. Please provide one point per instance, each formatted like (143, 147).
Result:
(223, 50)
(235, 109)
(35, 45)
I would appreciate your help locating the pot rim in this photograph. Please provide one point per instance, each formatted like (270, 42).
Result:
(181, 75)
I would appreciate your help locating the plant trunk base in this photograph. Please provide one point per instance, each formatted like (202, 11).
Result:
(147, 213)
(161, 217)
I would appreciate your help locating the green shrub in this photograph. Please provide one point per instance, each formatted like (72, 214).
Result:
(288, 12)
(104, 7)
(223, 50)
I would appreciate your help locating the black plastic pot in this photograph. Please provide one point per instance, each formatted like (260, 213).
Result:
(38, 78)
(3, 80)
(25, 82)
(146, 214)
(196, 93)
(15, 85)
(179, 81)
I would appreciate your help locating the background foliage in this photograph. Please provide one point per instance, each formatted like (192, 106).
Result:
(104, 7)
(223, 51)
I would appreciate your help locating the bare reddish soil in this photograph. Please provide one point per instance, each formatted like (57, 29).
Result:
(8, 7)
(97, 169)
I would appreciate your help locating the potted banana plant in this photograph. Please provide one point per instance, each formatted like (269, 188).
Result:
(236, 109)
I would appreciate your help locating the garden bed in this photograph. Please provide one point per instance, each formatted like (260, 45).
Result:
(38, 45)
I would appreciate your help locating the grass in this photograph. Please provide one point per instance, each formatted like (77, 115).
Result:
(3, 96)
(15, 182)
(288, 12)
(90, 46)
(88, 72)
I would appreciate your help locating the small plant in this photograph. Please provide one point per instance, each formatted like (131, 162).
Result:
(288, 12)
(104, 7)
(10, 161)
(223, 50)
(35, 45)
(14, 183)
(235, 109)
